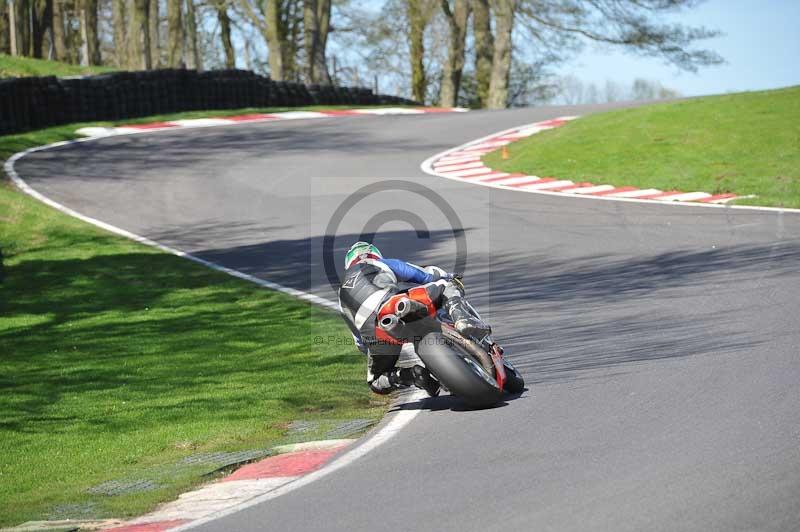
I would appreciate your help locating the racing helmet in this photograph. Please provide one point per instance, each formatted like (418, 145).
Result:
(360, 251)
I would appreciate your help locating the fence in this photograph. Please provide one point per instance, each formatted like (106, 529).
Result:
(32, 103)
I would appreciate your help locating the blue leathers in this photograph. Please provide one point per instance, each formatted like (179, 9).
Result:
(407, 272)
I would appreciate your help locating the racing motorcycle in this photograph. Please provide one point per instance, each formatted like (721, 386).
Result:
(472, 369)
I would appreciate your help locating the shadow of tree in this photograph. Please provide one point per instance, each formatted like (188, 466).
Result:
(179, 341)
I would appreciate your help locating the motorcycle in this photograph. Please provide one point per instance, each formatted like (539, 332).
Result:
(472, 369)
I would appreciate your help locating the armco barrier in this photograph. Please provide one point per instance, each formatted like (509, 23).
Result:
(32, 103)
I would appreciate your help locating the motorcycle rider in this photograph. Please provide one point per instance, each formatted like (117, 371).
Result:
(369, 281)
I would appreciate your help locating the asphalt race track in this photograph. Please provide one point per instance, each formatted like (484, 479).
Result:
(661, 344)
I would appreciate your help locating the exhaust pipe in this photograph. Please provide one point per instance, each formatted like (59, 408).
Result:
(391, 324)
(408, 309)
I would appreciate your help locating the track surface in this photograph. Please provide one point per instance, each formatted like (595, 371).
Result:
(660, 343)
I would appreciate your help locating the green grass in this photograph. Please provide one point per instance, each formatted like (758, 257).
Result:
(746, 143)
(117, 360)
(19, 67)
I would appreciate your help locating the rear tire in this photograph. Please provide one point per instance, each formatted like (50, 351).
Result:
(458, 371)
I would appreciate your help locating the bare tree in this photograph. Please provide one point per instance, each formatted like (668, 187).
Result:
(41, 17)
(484, 47)
(139, 35)
(153, 20)
(501, 61)
(270, 17)
(5, 30)
(457, 19)
(316, 23)
(175, 37)
(19, 14)
(89, 36)
(418, 13)
(195, 60)
(224, 20)
(118, 10)
(57, 24)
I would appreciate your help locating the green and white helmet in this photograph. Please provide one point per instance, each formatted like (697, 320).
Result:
(360, 251)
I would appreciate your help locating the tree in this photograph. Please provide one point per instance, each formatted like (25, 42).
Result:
(457, 19)
(484, 47)
(89, 35)
(501, 59)
(418, 13)
(120, 33)
(632, 25)
(5, 40)
(57, 25)
(19, 17)
(316, 25)
(225, 32)
(41, 16)
(139, 35)
(269, 16)
(175, 38)
(153, 20)
(195, 60)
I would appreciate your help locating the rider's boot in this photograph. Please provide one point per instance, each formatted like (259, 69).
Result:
(466, 323)
(420, 377)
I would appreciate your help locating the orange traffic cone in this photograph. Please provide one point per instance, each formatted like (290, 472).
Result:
(504, 153)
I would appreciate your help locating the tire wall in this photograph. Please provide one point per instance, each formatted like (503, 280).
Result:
(37, 102)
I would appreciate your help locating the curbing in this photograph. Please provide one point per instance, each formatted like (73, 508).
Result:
(463, 163)
(173, 125)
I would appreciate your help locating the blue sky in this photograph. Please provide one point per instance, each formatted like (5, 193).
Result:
(761, 46)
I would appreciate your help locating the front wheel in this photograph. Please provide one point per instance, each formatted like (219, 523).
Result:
(514, 381)
(458, 371)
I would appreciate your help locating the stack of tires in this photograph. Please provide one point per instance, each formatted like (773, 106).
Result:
(32, 103)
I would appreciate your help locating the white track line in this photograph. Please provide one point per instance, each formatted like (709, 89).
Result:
(635, 193)
(515, 180)
(688, 196)
(592, 190)
(398, 420)
(549, 184)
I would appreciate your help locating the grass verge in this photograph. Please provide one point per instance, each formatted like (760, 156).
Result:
(746, 143)
(118, 361)
(20, 67)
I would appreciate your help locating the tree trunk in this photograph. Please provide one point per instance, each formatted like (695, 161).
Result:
(155, 40)
(225, 33)
(120, 34)
(5, 30)
(451, 76)
(416, 40)
(293, 22)
(191, 36)
(139, 35)
(316, 21)
(40, 23)
(91, 41)
(501, 63)
(175, 37)
(484, 47)
(13, 38)
(59, 44)
(275, 33)
(20, 13)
